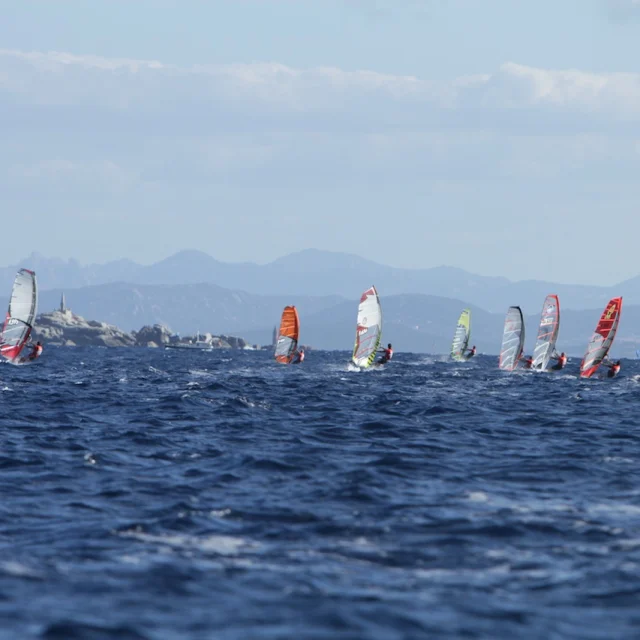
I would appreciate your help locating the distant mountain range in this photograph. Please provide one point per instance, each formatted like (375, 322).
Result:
(320, 273)
(419, 323)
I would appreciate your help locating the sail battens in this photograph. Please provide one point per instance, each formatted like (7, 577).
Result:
(602, 338)
(512, 339)
(21, 314)
(368, 329)
(547, 332)
(461, 336)
(287, 341)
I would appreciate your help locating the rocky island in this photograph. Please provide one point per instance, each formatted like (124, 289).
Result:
(65, 328)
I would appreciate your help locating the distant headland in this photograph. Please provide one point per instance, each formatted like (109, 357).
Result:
(64, 328)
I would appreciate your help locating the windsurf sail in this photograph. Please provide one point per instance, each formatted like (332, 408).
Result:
(368, 329)
(20, 316)
(512, 339)
(602, 339)
(287, 342)
(547, 332)
(461, 336)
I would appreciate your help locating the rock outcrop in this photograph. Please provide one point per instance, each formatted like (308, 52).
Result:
(231, 342)
(157, 335)
(67, 328)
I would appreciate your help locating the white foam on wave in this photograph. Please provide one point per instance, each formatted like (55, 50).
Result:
(618, 459)
(158, 371)
(614, 508)
(218, 544)
(200, 373)
(17, 569)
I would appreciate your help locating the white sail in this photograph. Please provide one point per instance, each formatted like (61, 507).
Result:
(512, 339)
(547, 332)
(368, 328)
(22, 311)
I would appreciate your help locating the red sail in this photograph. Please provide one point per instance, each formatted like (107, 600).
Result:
(602, 339)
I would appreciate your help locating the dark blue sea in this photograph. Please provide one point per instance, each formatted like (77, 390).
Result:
(149, 494)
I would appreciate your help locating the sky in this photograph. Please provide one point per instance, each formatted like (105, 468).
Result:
(499, 136)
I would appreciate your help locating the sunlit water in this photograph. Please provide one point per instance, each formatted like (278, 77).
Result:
(152, 494)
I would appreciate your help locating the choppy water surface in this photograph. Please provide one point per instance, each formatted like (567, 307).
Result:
(152, 494)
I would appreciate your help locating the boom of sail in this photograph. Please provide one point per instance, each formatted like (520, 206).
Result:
(22, 311)
(602, 339)
(287, 341)
(512, 339)
(547, 332)
(461, 336)
(368, 329)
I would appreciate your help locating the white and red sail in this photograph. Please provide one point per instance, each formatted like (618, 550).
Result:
(20, 316)
(602, 339)
(368, 329)
(547, 332)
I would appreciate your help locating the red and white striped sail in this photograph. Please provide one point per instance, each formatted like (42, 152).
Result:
(547, 332)
(20, 316)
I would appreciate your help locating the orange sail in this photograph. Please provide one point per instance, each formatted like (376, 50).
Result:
(288, 336)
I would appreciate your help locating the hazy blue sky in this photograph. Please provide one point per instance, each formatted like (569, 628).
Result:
(500, 136)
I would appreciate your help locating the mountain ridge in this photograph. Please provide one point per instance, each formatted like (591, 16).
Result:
(323, 273)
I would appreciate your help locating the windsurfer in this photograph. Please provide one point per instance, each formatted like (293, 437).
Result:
(469, 353)
(298, 358)
(527, 363)
(36, 352)
(562, 361)
(614, 368)
(387, 354)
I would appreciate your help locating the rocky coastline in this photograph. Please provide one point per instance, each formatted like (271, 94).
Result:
(65, 328)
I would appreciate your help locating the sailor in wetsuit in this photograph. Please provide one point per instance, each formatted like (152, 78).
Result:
(562, 360)
(614, 368)
(527, 363)
(299, 357)
(36, 352)
(387, 354)
(469, 353)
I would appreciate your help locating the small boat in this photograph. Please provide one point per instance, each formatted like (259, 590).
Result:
(461, 337)
(196, 345)
(512, 339)
(368, 329)
(602, 339)
(547, 333)
(18, 324)
(287, 341)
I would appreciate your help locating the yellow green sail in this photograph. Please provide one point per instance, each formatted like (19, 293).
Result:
(461, 336)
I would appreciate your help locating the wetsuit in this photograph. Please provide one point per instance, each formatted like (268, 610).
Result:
(614, 370)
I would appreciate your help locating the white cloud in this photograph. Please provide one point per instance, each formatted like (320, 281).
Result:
(96, 124)
(518, 86)
(275, 97)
